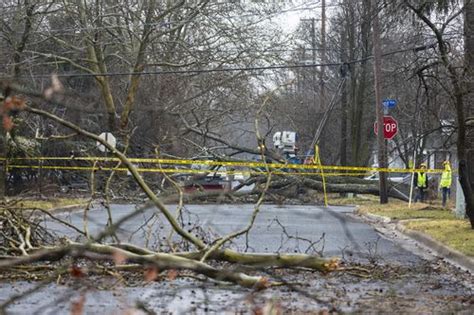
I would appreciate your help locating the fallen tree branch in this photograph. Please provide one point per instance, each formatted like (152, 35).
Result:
(252, 259)
(161, 261)
(136, 175)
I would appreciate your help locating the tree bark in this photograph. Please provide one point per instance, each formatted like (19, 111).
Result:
(135, 79)
(3, 164)
(97, 64)
(459, 101)
(344, 96)
(20, 47)
(359, 149)
(381, 147)
(468, 168)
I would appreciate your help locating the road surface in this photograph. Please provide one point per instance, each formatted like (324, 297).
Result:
(400, 280)
(330, 230)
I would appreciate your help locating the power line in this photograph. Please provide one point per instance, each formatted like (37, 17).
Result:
(201, 71)
(164, 72)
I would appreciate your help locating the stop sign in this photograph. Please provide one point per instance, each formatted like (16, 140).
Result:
(390, 127)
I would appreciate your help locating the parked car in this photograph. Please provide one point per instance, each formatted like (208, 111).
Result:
(211, 178)
(206, 182)
(393, 177)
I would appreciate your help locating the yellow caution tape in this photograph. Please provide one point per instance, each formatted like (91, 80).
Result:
(248, 164)
(172, 170)
(317, 161)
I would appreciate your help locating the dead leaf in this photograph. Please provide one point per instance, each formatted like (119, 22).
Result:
(7, 122)
(17, 103)
(48, 93)
(172, 274)
(151, 273)
(7, 105)
(77, 307)
(119, 257)
(77, 272)
(262, 284)
(272, 307)
(56, 85)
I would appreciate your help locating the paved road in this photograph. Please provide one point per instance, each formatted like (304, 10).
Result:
(332, 230)
(401, 282)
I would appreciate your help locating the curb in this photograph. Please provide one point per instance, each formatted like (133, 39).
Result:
(70, 208)
(450, 255)
(60, 210)
(376, 218)
(439, 248)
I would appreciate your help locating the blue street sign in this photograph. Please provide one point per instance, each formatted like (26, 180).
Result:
(389, 103)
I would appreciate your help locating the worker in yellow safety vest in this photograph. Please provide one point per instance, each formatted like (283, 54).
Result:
(421, 182)
(445, 183)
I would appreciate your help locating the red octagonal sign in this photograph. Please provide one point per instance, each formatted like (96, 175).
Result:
(390, 127)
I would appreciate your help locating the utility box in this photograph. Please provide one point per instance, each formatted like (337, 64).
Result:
(460, 201)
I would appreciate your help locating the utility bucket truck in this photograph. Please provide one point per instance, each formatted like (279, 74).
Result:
(285, 141)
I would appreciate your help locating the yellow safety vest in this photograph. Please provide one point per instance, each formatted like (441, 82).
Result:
(421, 182)
(446, 177)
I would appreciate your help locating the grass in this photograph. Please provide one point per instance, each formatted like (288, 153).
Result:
(336, 199)
(456, 234)
(46, 204)
(440, 224)
(398, 210)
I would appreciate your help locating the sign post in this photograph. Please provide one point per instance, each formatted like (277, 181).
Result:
(390, 127)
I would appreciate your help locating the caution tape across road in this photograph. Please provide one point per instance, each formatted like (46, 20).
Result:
(275, 168)
(173, 170)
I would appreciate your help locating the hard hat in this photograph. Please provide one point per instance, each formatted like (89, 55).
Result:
(423, 164)
(445, 162)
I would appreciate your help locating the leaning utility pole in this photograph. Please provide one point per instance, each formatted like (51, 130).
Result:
(313, 57)
(322, 90)
(313, 50)
(381, 152)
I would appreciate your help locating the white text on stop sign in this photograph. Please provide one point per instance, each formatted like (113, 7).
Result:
(390, 127)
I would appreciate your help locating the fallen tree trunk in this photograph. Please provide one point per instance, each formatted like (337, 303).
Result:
(289, 186)
(252, 259)
(179, 261)
(336, 185)
(366, 187)
(159, 260)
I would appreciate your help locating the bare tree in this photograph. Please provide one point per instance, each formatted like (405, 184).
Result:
(194, 261)
(457, 94)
